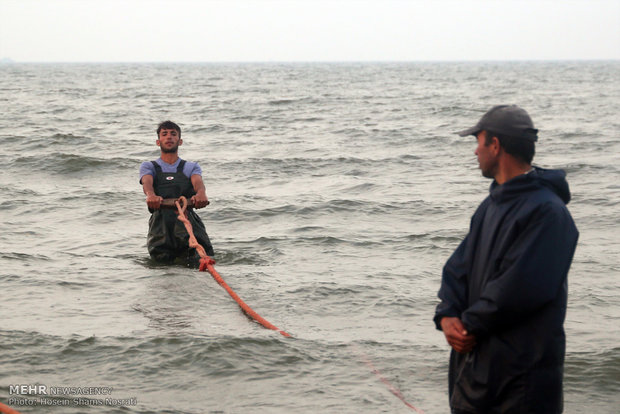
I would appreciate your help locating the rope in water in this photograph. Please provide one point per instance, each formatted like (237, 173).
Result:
(385, 381)
(206, 264)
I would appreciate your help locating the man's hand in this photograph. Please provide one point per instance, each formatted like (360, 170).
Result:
(153, 201)
(457, 336)
(200, 199)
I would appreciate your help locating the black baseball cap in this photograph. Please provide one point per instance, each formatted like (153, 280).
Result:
(509, 120)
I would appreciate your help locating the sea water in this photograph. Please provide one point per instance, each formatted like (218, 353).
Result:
(337, 191)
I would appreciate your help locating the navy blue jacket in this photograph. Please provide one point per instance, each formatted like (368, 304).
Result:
(507, 283)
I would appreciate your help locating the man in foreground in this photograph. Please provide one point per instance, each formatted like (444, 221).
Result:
(171, 177)
(504, 290)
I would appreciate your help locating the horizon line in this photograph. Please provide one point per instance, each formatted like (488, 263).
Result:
(7, 60)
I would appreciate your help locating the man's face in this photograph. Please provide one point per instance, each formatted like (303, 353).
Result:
(487, 155)
(169, 141)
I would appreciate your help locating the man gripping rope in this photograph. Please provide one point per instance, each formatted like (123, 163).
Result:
(172, 177)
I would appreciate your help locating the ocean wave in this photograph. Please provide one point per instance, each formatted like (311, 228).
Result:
(593, 370)
(58, 139)
(149, 356)
(15, 202)
(326, 290)
(205, 129)
(269, 167)
(67, 163)
(581, 167)
(411, 208)
(278, 243)
(249, 255)
(23, 256)
(288, 101)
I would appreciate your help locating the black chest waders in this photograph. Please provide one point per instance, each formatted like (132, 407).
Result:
(167, 238)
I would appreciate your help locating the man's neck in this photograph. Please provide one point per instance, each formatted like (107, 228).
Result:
(169, 158)
(510, 169)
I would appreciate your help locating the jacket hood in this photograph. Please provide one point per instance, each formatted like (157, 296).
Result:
(555, 180)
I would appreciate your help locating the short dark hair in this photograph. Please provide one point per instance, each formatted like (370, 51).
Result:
(168, 125)
(521, 149)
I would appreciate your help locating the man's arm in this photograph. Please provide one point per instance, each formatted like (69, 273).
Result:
(200, 199)
(153, 201)
(453, 290)
(453, 300)
(531, 274)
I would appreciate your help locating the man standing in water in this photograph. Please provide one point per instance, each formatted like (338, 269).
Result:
(171, 177)
(504, 290)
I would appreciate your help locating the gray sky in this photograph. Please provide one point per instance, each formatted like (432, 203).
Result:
(307, 30)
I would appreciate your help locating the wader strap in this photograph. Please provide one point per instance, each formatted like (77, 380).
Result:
(157, 172)
(157, 167)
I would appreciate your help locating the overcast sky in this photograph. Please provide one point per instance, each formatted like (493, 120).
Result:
(307, 30)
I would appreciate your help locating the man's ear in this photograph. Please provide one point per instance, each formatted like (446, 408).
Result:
(495, 145)
(180, 141)
(157, 142)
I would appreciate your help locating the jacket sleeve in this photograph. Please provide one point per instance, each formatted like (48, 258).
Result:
(453, 291)
(530, 274)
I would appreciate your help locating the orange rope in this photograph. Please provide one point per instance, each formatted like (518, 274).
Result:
(7, 410)
(384, 380)
(206, 263)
